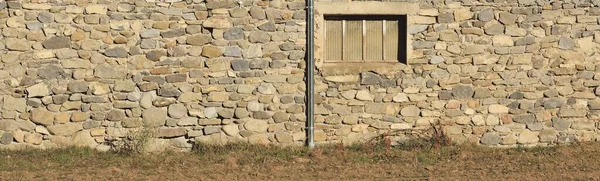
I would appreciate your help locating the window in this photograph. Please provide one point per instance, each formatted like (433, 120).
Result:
(365, 38)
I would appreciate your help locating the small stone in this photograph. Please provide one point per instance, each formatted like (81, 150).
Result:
(199, 40)
(232, 51)
(174, 78)
(33, 138)
(528, 137)
(7, 138)
(211, 52)
(507, 18)
(234, 34)
(34, 6)
(211, 112)
(84, 138)
(118, 52)
(67, 129)
(45, 17)
(439, 73)
(255, 125)
(240, 65)
(482, 93)
(524, 119)
(502, 41)
(259, 37)
(57, 42)
(516, 95)
(494, 29)
(410, 111)
(171, 132)
(261, 115)
(491, 138)
(38, 90)
(400, 97)
(594, 105)
(79, 116)
(463, 91)
(566, 43)
(238, 12)
(369, 78)
(436, 59)
(268, 26)
(116, 115)
(177, 111)
(208, 130)
(253, 51)
(257, 12)
(42, 116)
(173, 33)
(525, 41)
(218, 22)
(560, 124)
(124, 86)
(96, 9)
(462, 14)
(155, 117)
(497, 109)
(283, 137)
(401, 126)
(155, 55)
(110, 72)
(266, 88)
(231, 129)
(570, 112)
(132, 122)
(77, 86)
(150, 33)
(548, 136)
(280, 117)
(17, 45)
(414, 29)
(226, 113)
(486, 15)
(364, 95)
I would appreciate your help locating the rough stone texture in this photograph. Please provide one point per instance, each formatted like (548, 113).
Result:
(57, 43)
(491, 138)
(489, 72)
(462, 91)
(255, 125)
(410, 111)
(155, 117)
(38, 90)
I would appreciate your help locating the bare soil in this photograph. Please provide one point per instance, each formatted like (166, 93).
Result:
(362, 162)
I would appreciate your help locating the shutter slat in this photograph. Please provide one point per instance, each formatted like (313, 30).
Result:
(353, 40)
(374, 43)
(391, 40)
(333, 38)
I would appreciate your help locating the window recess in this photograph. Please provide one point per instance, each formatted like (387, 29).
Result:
(365, 38)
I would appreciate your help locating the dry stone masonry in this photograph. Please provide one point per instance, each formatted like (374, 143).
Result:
(492, 72)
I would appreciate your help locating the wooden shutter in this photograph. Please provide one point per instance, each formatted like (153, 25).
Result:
(333, 38)
(365, 38)
(391, 40)
(374, 40)
(353, 40)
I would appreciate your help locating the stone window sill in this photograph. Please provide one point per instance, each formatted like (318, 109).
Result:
(355, 68)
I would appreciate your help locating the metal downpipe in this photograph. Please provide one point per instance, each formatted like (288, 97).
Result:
(310, 79)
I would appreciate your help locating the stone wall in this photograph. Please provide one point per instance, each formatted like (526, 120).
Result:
(502, 72)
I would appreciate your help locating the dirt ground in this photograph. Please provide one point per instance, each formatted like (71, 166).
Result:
(366, 162)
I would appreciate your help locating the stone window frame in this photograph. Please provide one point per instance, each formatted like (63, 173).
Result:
(323, 9)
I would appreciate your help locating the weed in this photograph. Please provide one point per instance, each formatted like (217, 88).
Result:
(134, 142)
(247, 153)
(427, 158)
